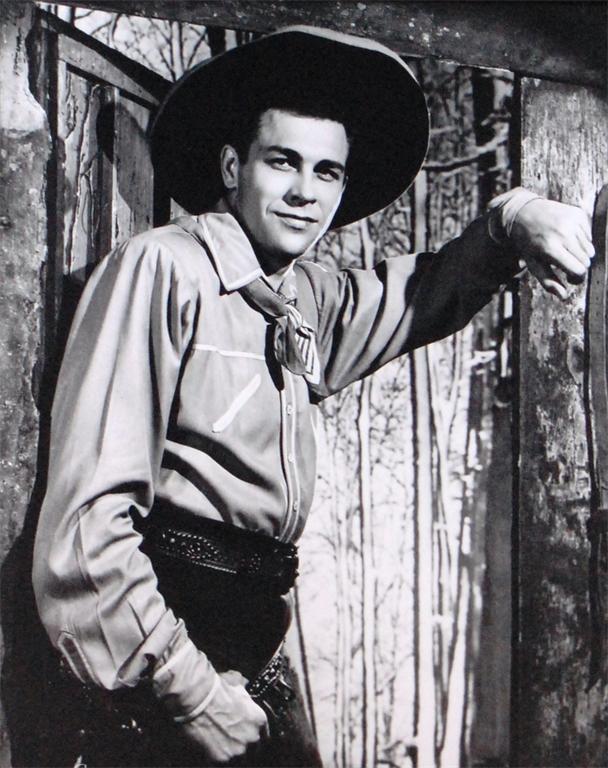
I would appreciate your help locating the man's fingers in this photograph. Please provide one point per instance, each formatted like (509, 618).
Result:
(230, 724)
(547, 277)
(573, 265)
(233, 677)
(262, 719)
(555, 241)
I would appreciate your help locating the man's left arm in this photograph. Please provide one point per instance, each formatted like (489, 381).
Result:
(369, 317)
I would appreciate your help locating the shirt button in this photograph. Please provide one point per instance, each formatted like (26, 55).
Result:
(295, 506)
(291, 458)
(289, 409)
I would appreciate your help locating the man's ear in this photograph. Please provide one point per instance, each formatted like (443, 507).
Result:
(229, 164)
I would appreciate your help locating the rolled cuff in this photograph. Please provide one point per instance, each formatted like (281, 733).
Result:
(184, 678)
(503, 211)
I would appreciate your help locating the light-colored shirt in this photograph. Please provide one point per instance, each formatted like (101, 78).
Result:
(168, 391)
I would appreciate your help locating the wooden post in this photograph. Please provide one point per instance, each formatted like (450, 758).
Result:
(426, 701)
(24, 148)
(558, 720)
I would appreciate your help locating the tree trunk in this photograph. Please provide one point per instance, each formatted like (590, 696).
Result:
(368, 581)
(457, 684)
(343, 656)
(304, 659)
(368, 568)
(423, 532)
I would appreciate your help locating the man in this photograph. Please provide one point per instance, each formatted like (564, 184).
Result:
(182, 458)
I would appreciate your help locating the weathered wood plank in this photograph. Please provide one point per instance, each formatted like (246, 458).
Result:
(81, 51)
(558, 40)
(104, 190)
(558, 721)
(81, 104)
(134, 177)
(24, 151)
(96, 64)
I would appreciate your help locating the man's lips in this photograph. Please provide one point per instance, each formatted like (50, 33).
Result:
(296, 222)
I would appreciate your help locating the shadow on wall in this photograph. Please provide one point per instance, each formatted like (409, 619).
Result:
(88, 207)
(24, 688)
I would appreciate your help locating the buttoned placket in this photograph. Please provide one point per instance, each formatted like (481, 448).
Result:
(289, 441)
(289, 428)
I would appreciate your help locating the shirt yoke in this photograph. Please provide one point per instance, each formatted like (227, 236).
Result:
(171, 248)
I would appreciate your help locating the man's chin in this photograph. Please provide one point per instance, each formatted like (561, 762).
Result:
(289, 249)
(280, 252)
(283, 259)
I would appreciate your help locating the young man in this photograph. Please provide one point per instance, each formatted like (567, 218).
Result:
(183, 452)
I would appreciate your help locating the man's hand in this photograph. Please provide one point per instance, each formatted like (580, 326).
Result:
(230, 723)
(554, 240)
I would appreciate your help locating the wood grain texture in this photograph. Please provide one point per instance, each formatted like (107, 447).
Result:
(564, 41)
(81, 106)
(24, 150)
(105, 189)
(559, 722)
(60, 212)
(134, 177)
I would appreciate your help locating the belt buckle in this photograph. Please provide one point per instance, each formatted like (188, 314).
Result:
(277, 568)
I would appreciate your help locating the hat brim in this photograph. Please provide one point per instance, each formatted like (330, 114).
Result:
(386, 109)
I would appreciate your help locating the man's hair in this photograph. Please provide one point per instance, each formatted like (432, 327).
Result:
(246, 125)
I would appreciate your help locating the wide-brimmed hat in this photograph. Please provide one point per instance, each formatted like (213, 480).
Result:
(365, 84)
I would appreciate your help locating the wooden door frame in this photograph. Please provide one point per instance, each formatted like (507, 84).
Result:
(561, 42)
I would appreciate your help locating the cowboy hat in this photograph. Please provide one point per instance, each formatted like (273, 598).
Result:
(317, 72)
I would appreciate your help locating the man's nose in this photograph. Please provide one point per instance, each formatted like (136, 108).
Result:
(302, 189)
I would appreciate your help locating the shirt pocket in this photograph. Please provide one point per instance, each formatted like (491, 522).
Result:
(219, 425)
(221, 390)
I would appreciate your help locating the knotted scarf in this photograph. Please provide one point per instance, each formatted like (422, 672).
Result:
(294, 340)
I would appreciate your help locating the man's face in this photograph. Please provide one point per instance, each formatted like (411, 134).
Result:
(288, 188)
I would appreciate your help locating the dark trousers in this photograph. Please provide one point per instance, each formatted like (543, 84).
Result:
(95, 728)
(239, 626)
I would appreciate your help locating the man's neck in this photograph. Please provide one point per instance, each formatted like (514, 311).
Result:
(276, 279)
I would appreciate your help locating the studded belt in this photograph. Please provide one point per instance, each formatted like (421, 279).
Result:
(247, 556)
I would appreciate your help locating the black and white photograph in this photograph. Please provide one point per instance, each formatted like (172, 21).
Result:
(303, 384)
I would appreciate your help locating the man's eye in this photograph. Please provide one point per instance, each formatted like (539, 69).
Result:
(279, 162)
(329, 174)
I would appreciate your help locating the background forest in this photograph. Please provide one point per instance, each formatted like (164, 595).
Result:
(402, 630)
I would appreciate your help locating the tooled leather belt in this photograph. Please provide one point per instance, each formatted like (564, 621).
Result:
(248, 557)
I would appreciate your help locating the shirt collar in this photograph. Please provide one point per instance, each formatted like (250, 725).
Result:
(228, 246)
(232, 254)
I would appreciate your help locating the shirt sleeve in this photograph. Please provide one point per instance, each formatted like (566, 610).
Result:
(369, 317)
(96, 590)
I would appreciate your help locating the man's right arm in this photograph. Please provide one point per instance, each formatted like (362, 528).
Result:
(96, 590)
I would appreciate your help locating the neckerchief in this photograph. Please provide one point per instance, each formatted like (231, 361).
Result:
(294, 340)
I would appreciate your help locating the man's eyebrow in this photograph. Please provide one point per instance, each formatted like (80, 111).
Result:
(283, 150)
(332, 164)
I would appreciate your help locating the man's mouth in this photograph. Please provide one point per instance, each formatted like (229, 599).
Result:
(293, 221)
